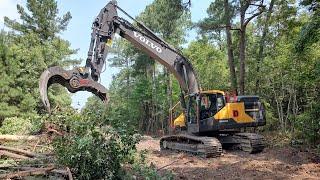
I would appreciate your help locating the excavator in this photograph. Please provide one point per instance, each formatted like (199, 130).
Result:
(209, 120)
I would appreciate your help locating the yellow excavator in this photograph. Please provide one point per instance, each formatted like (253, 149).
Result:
(208, 120)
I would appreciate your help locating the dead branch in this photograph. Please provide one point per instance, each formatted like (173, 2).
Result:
(222, 27)
(261, 8)
(34, 171)
(7, 137)
(236, 29)
(19, 151)
(12, 155)
(28, 168)
(253, 16)
(54, 131)
(69, 174)
(34, 147)
(258, 5)
(169, 164)
(60, 171)
(13, 166)
(54, 171)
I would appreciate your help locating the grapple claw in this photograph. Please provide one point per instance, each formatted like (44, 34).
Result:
(73, 80)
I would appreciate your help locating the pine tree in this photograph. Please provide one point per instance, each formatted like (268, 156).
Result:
(43, 19)
(31, 47)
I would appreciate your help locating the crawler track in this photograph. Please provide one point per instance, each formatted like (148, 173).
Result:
(250, 142)
(204, 146)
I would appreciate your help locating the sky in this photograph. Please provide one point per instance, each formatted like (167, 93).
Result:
(79, 29)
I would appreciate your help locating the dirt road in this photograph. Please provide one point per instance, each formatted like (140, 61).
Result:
(273, 163)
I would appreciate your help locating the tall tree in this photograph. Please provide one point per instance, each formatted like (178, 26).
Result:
(211, 62)
(310, 32)
(262, 42)
(246, 5)
(33, 45)
(217, 21)
(43, 19)
(232, 11)
(169, 19)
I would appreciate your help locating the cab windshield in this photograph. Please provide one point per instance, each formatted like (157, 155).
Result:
(211, 104)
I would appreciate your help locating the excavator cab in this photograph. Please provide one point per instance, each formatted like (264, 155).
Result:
(211, 111)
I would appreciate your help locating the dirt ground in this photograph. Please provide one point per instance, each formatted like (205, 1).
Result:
(272, 163)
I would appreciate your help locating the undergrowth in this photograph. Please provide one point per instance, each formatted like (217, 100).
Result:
(95, 150)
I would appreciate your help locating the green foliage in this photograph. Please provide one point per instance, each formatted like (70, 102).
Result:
(210, 63)
(310, 32)
(272, 121)
(42, 20)
(96, 154)
(16, 125)
(100, 139)
(92, 149)
(215, 22)
(31, 47)
(95, 150)
(169, 18)
(307, 124)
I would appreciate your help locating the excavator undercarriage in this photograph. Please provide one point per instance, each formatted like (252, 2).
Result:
(203, 146)
(212, 146)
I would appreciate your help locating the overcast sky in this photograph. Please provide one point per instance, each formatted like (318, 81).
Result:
(83, 13)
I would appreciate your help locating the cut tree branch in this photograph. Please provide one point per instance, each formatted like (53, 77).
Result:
(258, 5)
(19, 151)
(12, 155)
(221, 27)
(7, 137)
(69, 174)
(35, 171)
(253, 16)
(235, 29)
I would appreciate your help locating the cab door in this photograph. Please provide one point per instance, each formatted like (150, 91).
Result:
(193, 113)
(211, 104)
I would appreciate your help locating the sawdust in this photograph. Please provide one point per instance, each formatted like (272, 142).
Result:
(272, 163)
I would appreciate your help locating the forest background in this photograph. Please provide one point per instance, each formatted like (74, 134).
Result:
(266, 48)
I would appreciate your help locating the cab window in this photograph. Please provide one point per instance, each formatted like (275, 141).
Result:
(220, 102)
(211, 104)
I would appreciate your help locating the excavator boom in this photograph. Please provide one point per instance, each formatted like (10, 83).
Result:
(104, 27)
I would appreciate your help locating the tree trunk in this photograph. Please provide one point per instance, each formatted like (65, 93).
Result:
(12, 155)
(32, 172)
(169, 94)
(242, 54)
(242, 39)
(6, 137)
(233, 76)
(262, 44)
(242, 45)
(19, 151)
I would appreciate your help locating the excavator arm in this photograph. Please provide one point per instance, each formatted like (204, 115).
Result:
(104, 27)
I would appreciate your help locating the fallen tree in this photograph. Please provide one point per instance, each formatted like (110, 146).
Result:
(31, 172)
(7, 137)
(20, 151)
(12, 155)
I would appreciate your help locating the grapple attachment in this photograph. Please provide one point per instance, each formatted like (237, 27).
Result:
(74, 80)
